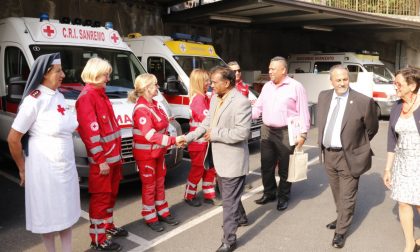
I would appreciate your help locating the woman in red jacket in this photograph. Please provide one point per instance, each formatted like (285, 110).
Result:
(199, 108)
(101, 135)
(150, 143)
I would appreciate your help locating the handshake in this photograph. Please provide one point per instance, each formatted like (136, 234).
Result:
(181, 141)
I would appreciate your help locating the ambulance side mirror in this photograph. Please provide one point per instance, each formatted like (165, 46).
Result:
(15, 89)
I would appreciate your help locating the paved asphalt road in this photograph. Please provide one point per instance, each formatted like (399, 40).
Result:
(300, 228)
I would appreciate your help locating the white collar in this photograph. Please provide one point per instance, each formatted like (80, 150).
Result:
(47, 90)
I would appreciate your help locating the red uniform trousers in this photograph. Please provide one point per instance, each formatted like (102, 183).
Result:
(103, 191)
(197, 173)
(152, 175)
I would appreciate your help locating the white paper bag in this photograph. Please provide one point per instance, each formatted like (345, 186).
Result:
(298, 166)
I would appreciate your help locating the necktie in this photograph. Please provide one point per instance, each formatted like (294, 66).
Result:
(330, 127)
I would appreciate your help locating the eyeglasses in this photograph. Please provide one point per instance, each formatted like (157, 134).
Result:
(238, 70)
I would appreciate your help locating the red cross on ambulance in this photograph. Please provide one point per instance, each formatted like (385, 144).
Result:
(115, 38)
(48, 31)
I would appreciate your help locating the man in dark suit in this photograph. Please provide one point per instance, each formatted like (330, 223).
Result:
(227, 127)
(347, 121)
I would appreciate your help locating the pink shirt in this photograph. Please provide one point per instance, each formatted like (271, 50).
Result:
(277, 103)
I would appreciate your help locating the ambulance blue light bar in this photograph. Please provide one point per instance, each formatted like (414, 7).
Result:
(189, 37)
(44, 16)
(203, 39)
(182, 36)
(109, 25)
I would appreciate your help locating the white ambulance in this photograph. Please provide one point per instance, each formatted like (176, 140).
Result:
(368, 75)
(172, 59)
(22, 40)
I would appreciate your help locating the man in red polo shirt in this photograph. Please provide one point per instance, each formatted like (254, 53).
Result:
(240, 85)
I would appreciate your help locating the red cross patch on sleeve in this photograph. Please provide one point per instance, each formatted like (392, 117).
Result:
(35, 93)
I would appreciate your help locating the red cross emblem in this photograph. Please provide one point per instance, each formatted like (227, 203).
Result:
(182, 47)
(115, 38)
(60, 109)
(48, 31)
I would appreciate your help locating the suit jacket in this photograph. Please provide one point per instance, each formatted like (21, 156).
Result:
(393, 118)
(359, 126)
(229, 136)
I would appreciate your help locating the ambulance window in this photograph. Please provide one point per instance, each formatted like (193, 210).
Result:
(354, 71)
(15, 64)
(354, 68)
(325, 66)
(299, 67)
(161, 68)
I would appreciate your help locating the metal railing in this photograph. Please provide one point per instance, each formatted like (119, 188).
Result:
(394, 7)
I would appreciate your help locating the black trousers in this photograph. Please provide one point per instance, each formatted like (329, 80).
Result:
(233, 210)
(275, 149)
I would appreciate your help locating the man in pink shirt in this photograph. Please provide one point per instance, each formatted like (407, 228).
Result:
(282, 97)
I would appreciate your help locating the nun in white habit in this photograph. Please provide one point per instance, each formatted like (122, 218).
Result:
(47, 170)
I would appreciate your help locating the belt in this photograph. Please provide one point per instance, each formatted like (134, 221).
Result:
(334, 149)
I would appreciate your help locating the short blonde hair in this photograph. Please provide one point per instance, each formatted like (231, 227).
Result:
(142, 82)
(94, 68)
(198, 79)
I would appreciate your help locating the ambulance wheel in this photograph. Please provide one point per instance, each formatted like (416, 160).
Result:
(378, 110)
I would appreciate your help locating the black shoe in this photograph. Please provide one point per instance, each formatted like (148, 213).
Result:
(265, 199)
(282, 204)
(117, 232)
(226, 247)
(156, 226)
(242, 223)
(194, 202)
(338, 240)
(169, 220)
(332, 225)
(214, 202)
(107, 245)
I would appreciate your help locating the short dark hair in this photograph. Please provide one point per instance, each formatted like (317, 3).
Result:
(226, 74)
(411, 75)
(281, 59)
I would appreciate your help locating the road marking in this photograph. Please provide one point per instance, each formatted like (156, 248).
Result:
(146, 244)
(131, 237)
(193, 222)
(9, 177)
(313, 161)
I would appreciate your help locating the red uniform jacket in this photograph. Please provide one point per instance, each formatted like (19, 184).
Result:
(199, 109)
(243, 88)
(150, 131)
(97, 126)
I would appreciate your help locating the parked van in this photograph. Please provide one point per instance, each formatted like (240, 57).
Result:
(22, 40)
(172, 59)
(367, 74)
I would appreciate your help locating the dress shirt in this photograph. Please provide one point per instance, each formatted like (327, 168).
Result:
(336, 139)
(277, 103)
(220, 101)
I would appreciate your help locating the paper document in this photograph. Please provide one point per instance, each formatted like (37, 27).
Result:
(293, 127)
